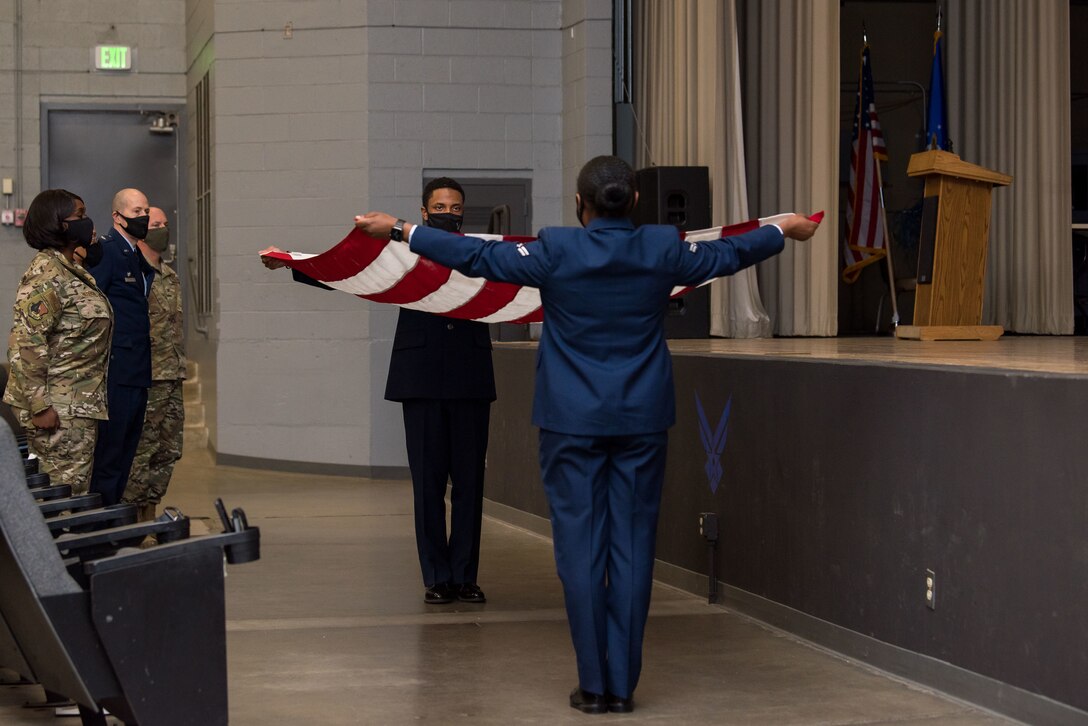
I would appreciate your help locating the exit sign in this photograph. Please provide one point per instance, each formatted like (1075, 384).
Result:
(113, 58)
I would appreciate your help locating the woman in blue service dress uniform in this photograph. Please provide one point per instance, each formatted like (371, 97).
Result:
(604, 397)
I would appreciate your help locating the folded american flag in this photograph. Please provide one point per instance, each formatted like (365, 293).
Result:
(389, 273)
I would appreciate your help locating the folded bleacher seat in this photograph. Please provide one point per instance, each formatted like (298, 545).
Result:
(144, 634)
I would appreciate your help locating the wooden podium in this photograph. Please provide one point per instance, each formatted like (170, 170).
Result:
(952, 248)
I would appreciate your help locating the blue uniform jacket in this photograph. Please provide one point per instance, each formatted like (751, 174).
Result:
(603, 367)
(436, 357)
(120, 275)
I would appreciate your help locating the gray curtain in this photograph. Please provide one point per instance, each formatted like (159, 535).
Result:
(688, 101)
(1009, 110)
(791, 122)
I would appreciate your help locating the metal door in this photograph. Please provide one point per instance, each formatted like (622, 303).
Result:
(95, 150)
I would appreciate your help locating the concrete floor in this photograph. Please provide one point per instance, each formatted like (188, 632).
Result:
(330, 628)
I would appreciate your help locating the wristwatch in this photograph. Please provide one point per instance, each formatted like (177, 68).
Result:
(397, 233)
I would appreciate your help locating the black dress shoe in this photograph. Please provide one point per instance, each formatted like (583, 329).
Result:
(469, 592)
(439, 594)
(619, 705)
(587, 702)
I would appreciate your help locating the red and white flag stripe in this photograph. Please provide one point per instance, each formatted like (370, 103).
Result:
(386, 272)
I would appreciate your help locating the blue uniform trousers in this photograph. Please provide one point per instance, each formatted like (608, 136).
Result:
(118, 439)
(604, 493)
(447, 441)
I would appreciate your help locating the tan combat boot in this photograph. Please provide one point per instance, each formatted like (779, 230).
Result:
(146, 513)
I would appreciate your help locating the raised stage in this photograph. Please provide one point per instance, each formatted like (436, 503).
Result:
(848, 468)
(1065, 355)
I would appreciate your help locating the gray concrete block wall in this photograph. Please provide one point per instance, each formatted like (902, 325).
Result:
(291, 152)
(202, 334)
(55, 65)
(13, 262)
(587, 89)
(465, 88)
(347, 115)
(452, 90)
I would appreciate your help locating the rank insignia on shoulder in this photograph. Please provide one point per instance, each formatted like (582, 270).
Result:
(522, 249)
(692, 247)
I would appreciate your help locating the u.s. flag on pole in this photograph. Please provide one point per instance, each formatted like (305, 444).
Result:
(386, 272)
(865, 241)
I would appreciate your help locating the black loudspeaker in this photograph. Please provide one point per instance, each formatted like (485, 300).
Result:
(680, 196)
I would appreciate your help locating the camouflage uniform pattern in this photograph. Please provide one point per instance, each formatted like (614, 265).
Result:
(58, 353)
(164, 421)
(66, 454)
(167, 327)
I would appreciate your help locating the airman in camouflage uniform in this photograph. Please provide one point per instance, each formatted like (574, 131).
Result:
(58, 353)
(164, 420)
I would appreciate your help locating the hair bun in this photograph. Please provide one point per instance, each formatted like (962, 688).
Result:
(608, 184)
(613, 196)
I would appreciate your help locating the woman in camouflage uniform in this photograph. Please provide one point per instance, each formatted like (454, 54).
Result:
(60, 340)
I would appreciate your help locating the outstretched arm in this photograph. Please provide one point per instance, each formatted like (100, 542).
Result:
(379, 224)
(500, 261)
(704, 261)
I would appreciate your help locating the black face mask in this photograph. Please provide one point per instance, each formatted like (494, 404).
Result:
(445, 222)
(94, 254)
(136, 227)
(79, 231)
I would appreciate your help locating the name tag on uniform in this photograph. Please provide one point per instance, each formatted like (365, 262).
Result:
(130, 278)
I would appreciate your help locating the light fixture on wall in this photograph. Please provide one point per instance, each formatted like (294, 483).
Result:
(162, 123)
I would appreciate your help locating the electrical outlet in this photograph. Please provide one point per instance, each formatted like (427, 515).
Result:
(931, 589)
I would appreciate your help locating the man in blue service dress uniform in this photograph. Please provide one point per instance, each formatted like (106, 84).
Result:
(440, 372)
(604, 396)
(125, 277)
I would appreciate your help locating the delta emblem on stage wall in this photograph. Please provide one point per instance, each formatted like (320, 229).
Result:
(713, 441)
